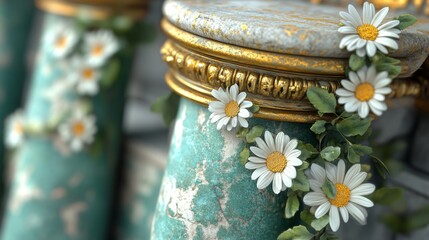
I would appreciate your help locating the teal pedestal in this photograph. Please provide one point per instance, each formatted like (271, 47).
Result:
(206, 193)
(16, 18)
(143, 171)
(57, 195)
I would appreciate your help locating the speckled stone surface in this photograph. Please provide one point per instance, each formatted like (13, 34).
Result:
(290, 27)
(206, 193)
(55, 195)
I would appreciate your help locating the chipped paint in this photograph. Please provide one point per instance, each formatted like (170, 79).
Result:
(23, 192)
(207, 194)
(70, 216)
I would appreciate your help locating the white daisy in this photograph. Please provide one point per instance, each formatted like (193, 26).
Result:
(231, 109)
(14, 130)
(99, 46)
(61, 39)
(275, 161)
(350, 191)
(367, 34)
(365, 91)
(78, 131)
(84, 76)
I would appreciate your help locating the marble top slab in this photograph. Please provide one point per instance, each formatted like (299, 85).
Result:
(281, 26)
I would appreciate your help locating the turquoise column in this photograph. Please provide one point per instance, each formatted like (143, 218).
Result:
(206, 193)
(143, 173)
(16, 17)
(57, 195)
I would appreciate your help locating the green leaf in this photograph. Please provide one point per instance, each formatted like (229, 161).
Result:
(111, 72)
(122, 23)
(254, 133)
(319, 224)
(381, 58)
(254, 108)
(292, 206)
(167, 106)
(244, 155)
(405, 20)
(380, 166)
(330, 153)
(307, 217)
(322, 100)
(392, 69)
(296, 233)
(361, 150)
(329, 189)
(418, 219)
(318, 127)
(356, 62)
(304, 165)
(387, 196)
(242, 133)
(352, 156)
(300, 183)
(307, 150)
(353, 126)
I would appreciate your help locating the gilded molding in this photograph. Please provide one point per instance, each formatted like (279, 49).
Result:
(96, 9)
(269, 60)
(213, 73)
(264, 112)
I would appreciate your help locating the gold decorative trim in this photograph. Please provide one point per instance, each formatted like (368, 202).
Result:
(96, 9)
(204, 72)
(264, 112)
(333, 67)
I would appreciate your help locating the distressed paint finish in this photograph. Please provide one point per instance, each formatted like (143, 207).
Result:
(55, 195)
(143, 175)
(293, 28)
(206, 193)
(15, 23)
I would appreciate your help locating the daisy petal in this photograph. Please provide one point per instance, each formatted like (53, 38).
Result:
(388, 42)
(364, 189)
(356, 213)
(277, 183)
(322, 210)
(344, 214)
(334, 218)
(379, 17)
(258, 172)
(314, 199)
(389, 25)
(341, 168)
(363, 201)
(264, 180)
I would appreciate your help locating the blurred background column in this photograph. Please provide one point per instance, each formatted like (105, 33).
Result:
(16, 18)
(63, 188)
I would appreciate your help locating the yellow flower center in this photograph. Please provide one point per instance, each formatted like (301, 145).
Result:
(276, 162)
(88, 73)
(18, 128)
(78, 128)
(232, 109)
(343, 196)
(61, 42)
(367, 32)
(364, 91)
(97, 50)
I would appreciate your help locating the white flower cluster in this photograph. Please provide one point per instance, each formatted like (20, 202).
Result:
(276, 161)
(83, 70)
(365, 90)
